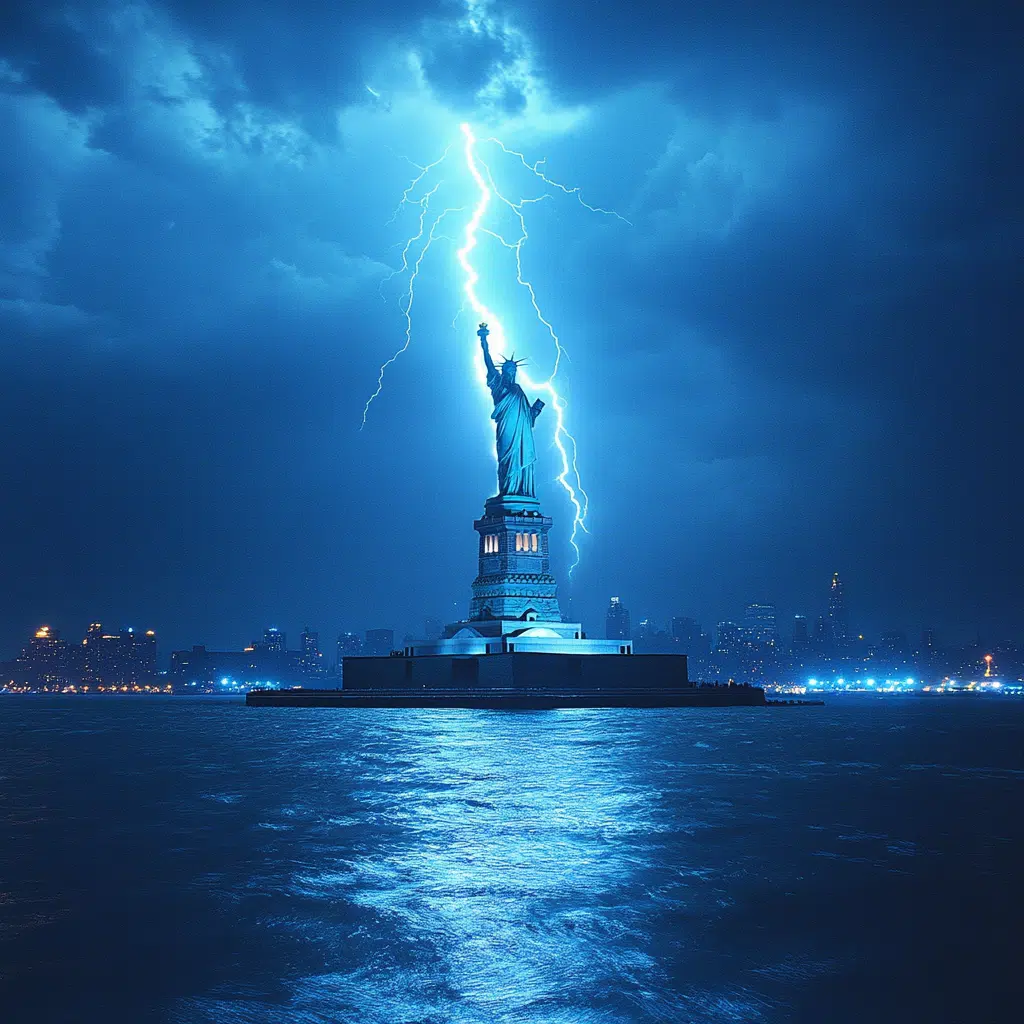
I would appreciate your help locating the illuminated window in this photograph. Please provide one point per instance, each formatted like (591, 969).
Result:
(519, 542)
(534, 541)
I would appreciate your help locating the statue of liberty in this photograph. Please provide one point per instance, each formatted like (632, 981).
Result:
(513, 425)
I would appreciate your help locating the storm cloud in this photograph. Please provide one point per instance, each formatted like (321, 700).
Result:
(801, 355)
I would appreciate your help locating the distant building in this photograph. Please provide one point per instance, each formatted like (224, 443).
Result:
(645, 628)
(689, 637)
(759, 624)
(134, 657)
(273, 640)
(433, 629)
(893, 642)
(801, 633)
(311, 657)
(730, 638)
(200, 669)
(617, 621)
(821, 632)
(47, 660)
(656, 641)
(379, 642)
(125, 658)
(349, 644)
(839, 629)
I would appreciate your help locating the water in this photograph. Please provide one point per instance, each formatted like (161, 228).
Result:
(190, 860)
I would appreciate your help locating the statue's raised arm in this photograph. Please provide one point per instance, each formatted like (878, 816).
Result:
(488, 361)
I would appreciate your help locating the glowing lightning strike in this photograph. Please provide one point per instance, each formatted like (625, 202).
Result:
(577, 494)
(569, 477)
(424, 171)
(535, 169)
(410, 295)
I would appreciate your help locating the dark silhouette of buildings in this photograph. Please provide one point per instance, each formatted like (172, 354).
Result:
(838, 627)
(801, 635)
(273, 640)
(203, 670)
(730, 638)
(616, 623)
(759, 624)
(690, 638)
(312, 659)
(349, 644)
(379, 642)
(101, 660)
(267, 662)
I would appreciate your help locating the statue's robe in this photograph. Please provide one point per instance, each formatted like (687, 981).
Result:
(513, 425)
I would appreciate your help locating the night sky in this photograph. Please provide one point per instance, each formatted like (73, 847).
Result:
(802, 356)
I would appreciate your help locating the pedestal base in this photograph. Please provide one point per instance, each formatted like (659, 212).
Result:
(514, 580)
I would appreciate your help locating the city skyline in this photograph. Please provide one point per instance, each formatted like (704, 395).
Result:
(431, 625)
(827, 634)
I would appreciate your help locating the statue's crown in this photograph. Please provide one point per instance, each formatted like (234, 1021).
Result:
(512, 362)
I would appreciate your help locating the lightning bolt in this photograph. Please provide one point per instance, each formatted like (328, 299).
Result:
(534, 168)
(487, 190)
(424, 170)
(410, 296)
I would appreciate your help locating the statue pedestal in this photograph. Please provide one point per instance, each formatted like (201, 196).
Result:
(514, 580)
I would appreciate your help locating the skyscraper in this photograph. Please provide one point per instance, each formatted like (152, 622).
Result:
(273, 640)
(838, 626)
(730, 638)
(801, 634)
(646, 628)
(617, 621)
(759, 623)
(689, 637)
(136, 656)
(311, 660)
(349, 644)
(47, 659)
(379, 642)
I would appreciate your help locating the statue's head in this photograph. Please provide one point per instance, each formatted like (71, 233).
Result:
(508, 368)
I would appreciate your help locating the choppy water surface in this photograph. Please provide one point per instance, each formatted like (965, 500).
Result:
(187, 860)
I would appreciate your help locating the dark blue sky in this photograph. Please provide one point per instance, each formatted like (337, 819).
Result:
(802, 356)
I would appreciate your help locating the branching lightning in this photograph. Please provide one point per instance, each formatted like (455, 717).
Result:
(424, 171)
(577, 495)
(567, 189)
(487, 190)
(410, 295)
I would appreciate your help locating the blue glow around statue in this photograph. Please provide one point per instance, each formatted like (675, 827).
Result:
(513, 425)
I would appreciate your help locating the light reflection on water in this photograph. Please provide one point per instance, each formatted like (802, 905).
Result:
(273, 865)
